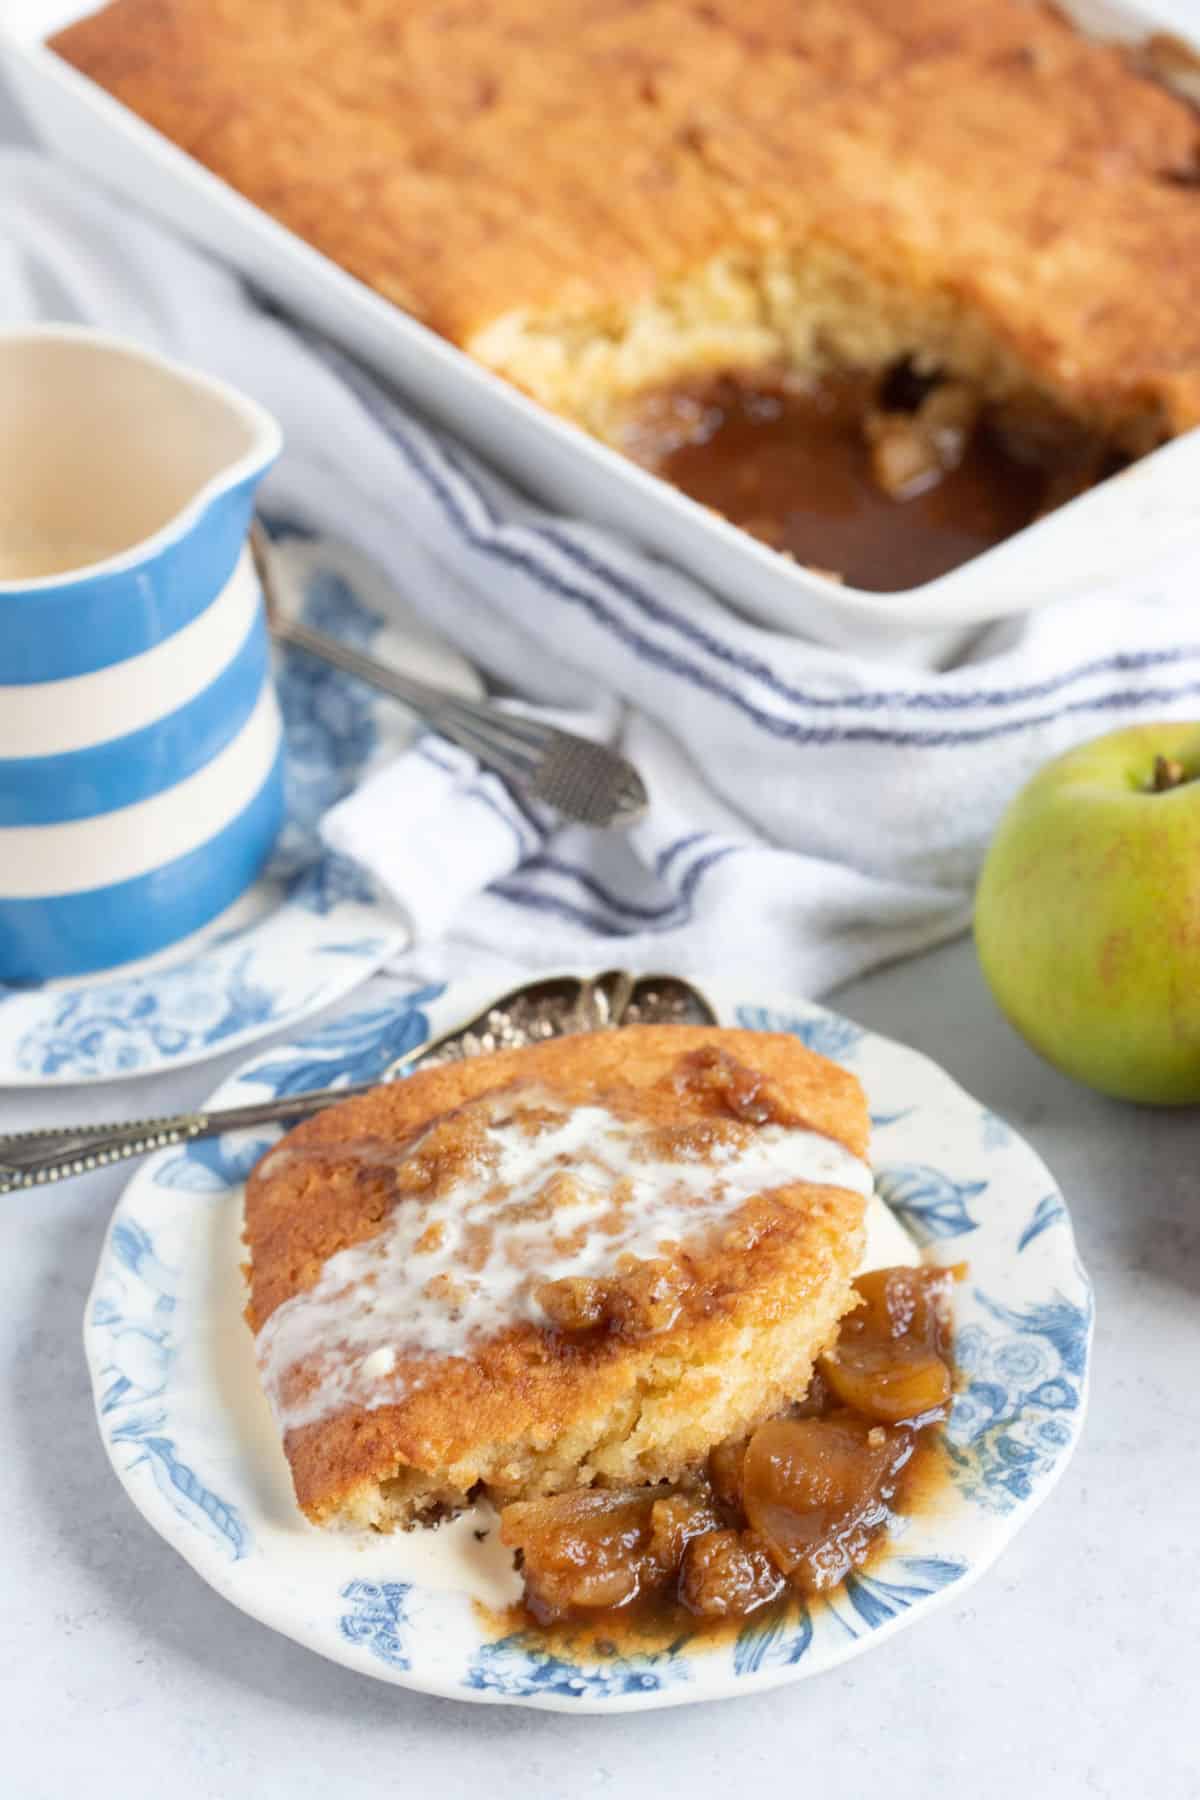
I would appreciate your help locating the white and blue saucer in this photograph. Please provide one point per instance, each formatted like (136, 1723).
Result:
(190, 1436)
(309, 930)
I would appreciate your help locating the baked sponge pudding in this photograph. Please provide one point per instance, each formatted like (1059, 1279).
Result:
(879, 281)
(597, 200)
(580, 1264)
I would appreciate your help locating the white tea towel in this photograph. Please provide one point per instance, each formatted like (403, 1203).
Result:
(813, 812)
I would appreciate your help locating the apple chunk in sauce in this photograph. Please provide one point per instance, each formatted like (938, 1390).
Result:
(890, 1360)
(797, 1504)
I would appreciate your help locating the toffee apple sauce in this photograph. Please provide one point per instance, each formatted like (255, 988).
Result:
(787, 1512)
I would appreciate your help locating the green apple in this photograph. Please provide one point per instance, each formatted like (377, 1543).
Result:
(1087, 917)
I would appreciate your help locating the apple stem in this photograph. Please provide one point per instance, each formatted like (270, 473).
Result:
(1168, 773)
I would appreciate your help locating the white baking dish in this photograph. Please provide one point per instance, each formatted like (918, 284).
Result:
(1103, 537)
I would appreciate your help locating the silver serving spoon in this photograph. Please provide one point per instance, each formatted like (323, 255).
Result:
(583, 781)
(531, 1013)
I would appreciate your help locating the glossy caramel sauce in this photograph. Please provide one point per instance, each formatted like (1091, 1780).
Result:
(775, 1523)
(659, 1622)
(793, 463)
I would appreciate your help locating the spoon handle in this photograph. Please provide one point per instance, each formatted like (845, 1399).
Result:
(581, 780)
(553, 1006)
(35, 1158)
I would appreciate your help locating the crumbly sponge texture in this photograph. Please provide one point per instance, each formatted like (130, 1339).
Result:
(596, 200)
(531, 1411)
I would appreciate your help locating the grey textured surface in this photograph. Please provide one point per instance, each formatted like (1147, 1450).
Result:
(14, 128)
(1070, 1672)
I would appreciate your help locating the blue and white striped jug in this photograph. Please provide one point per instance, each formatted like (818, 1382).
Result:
(140, 744)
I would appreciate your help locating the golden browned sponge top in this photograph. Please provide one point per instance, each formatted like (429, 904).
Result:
(587, 1260)
(481, 163)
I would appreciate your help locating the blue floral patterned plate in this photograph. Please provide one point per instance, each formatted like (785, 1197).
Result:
(190, 1436)
(310, 930)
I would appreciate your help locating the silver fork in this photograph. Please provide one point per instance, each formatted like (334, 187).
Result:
(583, 781)
(551, 1007)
